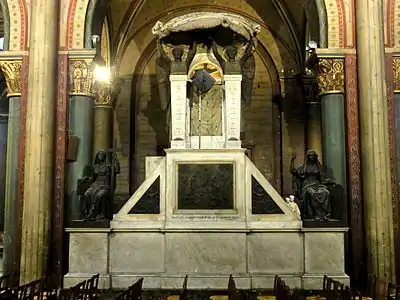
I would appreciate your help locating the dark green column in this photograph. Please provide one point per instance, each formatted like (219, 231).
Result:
(334, 137)
(80, 125)
(331, 84)
(12, 71)
(80, 121)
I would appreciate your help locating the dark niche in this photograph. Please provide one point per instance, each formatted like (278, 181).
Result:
(261, 201)
(149, 203)
(205, 186)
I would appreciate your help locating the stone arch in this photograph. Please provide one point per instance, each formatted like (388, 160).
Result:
(284, 58)
(81, 17)
(16, 14)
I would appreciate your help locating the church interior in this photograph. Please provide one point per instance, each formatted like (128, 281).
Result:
(238, 145)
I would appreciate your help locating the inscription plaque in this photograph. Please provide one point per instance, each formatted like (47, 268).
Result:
(205, 186)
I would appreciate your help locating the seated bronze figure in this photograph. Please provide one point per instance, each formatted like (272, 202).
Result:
(310, 188)
(96, 190)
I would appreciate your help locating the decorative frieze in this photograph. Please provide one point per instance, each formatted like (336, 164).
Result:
(12, 72)
(330, 75)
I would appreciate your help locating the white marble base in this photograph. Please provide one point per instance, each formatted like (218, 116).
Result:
(164, 257)
(207, 245)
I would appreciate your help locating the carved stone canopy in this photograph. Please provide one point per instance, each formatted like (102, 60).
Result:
(207, 20)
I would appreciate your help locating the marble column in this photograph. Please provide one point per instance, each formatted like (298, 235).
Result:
(80, 110)
(374, 131)
(39, 150)
(314, 131)
(12, 71)
(331, 84)
(103, 116)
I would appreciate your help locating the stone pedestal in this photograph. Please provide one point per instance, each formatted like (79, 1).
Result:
(179, 130)
(233, 102)
(207, 244)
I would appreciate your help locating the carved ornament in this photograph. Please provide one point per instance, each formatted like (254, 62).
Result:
(396, 74)
(330, 76)
(104, 95)
(12, 72)
(81, 78)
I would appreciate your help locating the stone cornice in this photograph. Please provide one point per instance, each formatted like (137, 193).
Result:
(330, 75)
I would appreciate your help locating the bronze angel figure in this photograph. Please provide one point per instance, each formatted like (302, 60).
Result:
(166, 67)
(236, 63)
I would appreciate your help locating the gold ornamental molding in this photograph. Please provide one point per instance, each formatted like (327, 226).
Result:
(396, 74)
(81, 73)
(12, 70)
(330, 75)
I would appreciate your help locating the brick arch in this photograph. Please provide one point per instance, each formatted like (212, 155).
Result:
(18, 24)
(335, 12)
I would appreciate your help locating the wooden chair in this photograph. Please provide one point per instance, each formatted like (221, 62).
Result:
(92, 287)
(78, 291)
(233, 293)
(393, 291)
(134, 292)
(183, 295)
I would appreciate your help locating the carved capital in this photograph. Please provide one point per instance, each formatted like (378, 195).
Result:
(396, 74)
(330, 76)
(81, 77)
(12, 72)
(104, 94)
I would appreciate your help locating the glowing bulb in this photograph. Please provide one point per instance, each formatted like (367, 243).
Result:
(102, 74)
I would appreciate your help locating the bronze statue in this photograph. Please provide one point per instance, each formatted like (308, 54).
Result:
(243, 64)
(166, 66)
(310, 188)
(97, 189)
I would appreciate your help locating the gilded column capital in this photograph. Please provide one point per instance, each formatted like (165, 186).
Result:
(330, 75)
(80, 71)
(103, 94)
(396, 74)
(12, 72)
(81, 77)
